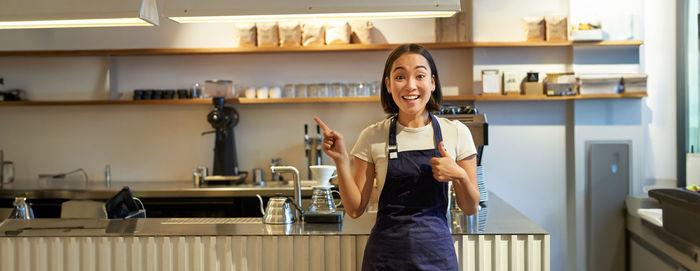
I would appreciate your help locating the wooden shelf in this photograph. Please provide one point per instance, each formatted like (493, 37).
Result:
(543, 97)
(323, 48)
(558, 43)
(106, 102)
(307, 100)
(243, 50)
(460, 98)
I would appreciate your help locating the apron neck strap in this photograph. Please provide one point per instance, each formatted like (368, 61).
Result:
(393, 147)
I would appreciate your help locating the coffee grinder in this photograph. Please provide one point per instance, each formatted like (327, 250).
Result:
(223, 118)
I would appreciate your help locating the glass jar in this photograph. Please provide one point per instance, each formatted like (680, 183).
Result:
(300, 91)
(349, 90)
(312, 90)
(288, 91)
(322, 90)
(376, 89)
(362, 89)
(336, 90)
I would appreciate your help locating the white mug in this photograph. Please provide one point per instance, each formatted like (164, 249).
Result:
(261, 93)
(250, 93)
(322, 174)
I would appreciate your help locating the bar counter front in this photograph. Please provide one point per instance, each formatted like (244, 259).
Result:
(497, 238)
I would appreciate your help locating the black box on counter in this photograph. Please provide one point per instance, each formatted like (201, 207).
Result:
(334, 217)
(681, 212)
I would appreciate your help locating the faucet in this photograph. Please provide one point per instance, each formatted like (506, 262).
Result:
(297, 182)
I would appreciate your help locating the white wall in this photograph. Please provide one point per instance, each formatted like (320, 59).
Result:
(500, 20)
(525, 164)
(659, 109)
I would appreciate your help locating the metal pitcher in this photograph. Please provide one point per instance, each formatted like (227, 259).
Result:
(22, 209)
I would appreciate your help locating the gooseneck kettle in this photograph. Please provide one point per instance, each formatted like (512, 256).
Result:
(279, 210)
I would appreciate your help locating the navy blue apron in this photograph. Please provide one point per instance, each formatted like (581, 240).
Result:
(411, 231)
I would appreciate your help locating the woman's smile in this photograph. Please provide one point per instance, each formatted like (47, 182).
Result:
(411, 97)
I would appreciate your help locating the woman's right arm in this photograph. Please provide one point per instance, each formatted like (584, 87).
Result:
(355, 185)
(356, 189)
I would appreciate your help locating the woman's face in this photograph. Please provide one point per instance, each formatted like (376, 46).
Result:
(410, 83)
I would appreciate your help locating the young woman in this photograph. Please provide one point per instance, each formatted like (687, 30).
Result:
(413, 155)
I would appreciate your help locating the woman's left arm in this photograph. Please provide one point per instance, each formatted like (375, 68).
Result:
(467, 190)
(462, 174)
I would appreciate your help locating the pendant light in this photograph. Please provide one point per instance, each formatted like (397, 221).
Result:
(27, 14)
(198, 11)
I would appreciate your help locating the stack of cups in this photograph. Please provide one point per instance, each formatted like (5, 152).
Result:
(481, 183)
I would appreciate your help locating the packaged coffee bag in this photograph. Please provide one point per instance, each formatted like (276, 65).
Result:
(290, 34)
(533, 28)
(556, 28)
(337, 32)
(361, 32)
(244, 35)
(313, 33)
(267, 34)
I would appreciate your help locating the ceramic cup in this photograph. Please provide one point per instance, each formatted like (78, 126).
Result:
(322, 174)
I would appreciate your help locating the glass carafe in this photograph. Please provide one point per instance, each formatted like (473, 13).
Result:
(322, 200)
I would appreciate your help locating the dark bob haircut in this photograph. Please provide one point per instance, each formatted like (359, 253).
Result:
(388, 103)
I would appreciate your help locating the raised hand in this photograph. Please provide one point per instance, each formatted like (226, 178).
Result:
(445, 168)
(333, 142)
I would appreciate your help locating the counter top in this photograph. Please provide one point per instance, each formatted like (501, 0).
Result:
(62, 189)
(497, 218)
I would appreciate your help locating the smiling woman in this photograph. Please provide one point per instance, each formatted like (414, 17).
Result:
(413, 156)
(399, 74)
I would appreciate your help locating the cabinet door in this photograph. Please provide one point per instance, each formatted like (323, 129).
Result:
(608, 185)
(641, 259)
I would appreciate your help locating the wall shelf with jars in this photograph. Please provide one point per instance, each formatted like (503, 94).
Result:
(319, 100)
(367, 97)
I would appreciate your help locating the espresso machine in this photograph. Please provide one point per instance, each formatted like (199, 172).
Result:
(223, 118)
(478, 126)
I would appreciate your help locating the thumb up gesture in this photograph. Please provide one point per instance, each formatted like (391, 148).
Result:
(445, 168)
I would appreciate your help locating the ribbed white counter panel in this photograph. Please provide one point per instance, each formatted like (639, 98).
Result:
(502, 239)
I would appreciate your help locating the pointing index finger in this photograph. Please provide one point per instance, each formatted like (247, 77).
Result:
(323, 125)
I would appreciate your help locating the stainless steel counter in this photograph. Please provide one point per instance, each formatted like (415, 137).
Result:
(498, 238)
(61, 189)
(498, 218)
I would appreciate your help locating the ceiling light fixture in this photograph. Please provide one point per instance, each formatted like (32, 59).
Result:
(28, 14)
(200, 11)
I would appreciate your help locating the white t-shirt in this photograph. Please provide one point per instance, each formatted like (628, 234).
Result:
(371, 146)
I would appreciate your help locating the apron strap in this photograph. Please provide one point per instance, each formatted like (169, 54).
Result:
(393, 147)
(436, 131)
